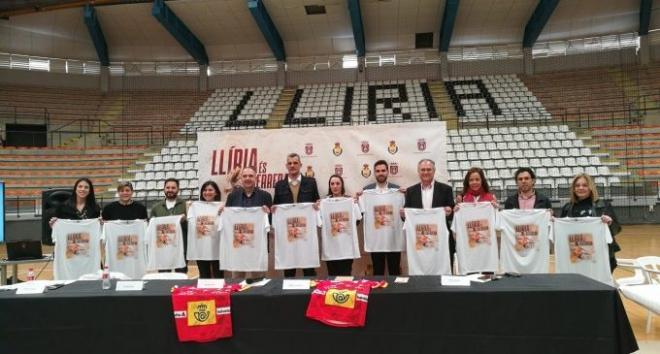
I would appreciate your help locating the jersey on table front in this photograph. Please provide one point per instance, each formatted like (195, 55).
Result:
(427, 241)
(338, 220)
(202, 315)
(244, 239)
(296, 238)
(581, 247)
(77, 248)
(382, 221)
(476, 243)
(341, 303)
(125, 247)
(203, 234)
(525, 246)
(165, 243)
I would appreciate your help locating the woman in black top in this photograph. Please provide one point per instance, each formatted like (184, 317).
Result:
(585, 202)
(209, 192)
(81, 205)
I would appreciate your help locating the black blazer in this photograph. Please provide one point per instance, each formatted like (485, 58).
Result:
(308, 193)
(442, 196)
(542, 202)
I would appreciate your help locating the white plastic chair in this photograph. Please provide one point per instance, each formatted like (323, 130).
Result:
(638, 277)
(164, 276)
(648, 294)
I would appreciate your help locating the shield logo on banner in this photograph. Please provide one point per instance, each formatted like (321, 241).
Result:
(421, 144)
(309, 172)
(394, 168)
(365, 147)
(337, 150)
(366, 172)
(309, 148)
(339, 169)
(392, 148)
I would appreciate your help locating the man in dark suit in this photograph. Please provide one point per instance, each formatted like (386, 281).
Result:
(378, 259)
(296, 188)
(430, 193)
(526, 198)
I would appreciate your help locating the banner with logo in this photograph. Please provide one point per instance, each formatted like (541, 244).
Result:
(349, 151)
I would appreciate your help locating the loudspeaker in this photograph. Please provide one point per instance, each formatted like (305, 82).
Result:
(51, 199)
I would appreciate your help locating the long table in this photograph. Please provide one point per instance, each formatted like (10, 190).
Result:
(549, 313)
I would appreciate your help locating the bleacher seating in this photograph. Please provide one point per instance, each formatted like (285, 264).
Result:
(372, 102)
(581, 95)
(494, 99)
(177, 159)
(28, 171)
(234, 108)
(553, 151)
(638, 146)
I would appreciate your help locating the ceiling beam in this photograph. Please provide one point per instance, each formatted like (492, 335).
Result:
(267, 27)
(95, 31)
(358, 27)
(25, 10)
(180, 31)
(645, 7)
(447, 24)
(539, 19)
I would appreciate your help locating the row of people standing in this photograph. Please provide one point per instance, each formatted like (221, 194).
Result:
(296, 188)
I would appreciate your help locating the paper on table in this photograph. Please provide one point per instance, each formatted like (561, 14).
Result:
(401, 280)
(453, 280)
(296, 284)
(210, 283)
(129, 285)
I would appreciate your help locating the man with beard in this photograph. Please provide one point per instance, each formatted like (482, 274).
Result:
(172, 205)
(527, 197)
(378, 259)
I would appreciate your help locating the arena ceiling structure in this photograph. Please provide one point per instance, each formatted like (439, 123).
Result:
(223, 30)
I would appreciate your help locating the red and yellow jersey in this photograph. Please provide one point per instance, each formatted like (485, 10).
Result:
(341, 303)
(202, 315)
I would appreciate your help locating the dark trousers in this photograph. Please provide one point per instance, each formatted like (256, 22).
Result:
(209, 269)
(393, 260)
(452, 250)
(339, 267)
(291, 273)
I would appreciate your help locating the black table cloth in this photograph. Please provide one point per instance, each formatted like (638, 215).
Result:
(549, 313)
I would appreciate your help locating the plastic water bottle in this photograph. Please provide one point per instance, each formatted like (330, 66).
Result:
(106, 278)
(30, 275)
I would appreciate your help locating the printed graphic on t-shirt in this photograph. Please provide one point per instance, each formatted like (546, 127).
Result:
(340, 223)
(581, 246)
(205, 225)
(77, 244)
(127, 246)
(478, 232)
(426, 236)
(526, 237)
(243, 235)
(296, 228)
(383, 216)
(166, 235)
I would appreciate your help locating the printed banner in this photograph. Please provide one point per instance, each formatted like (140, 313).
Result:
(349, 151)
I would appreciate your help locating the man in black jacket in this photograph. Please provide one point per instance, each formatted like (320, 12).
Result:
(526, 198)
(296, 188)
(430, 193)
